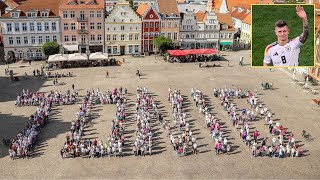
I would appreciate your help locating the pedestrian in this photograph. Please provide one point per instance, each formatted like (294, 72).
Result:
(107, 74)
(54, 81)
(30, 62)
(34, 72)
(228, 64)
(72, 86)
(123, 60)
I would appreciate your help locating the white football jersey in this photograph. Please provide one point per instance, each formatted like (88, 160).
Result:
(287, 55)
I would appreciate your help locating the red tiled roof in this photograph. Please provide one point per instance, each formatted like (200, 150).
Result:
(226, 19)
(168, 7)
(52, 5)
(142, 8)
(200, 15)
(11, 3)
(247, 20)
(239, 15)
(88, 4)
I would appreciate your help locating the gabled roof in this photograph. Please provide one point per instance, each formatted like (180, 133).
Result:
(142, 8)
(168, 7)
(234, 3)
(11, 4)
(247, 20)
(200, 16)
(239, 15)
(30, 5)
(225, 18)
(75, 4)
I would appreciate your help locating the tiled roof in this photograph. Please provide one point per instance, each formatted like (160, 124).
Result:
(247, 20)
(142, 9)
(11, 3)
(168, 7)
(317, 5)
(226, 19)
(217, 4)
(200, 15)
(233, 3)
(239, 15)
(88, 4)
(52, 5)
(181, 1)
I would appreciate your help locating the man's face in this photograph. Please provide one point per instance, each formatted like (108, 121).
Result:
(282, 33)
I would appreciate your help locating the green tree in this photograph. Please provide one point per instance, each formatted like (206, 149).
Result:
(131, 5)
(163, 44)
(50, 48)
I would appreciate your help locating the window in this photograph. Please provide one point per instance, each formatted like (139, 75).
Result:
(65, 14)
(83, 26)
(39, 26)
(82, 16)
(91, 14)
(122, 28)
(73, 38)
(65, 26)
(44, 14)
(14, 14)
(157, 25)
(175, 24)
(146, 34)
(16, 27)
(47, 38)
(169, 24)
(99, 37)
(18, 40)
(10, 41)
(54, 26)
(163, 24)
(33, 40)
(130, 37)
(81, 1)
(40, 40)
(38, 53)
(175, 36)
(108, 37)
(91, 25)
(92, 38)
(115, 49)
(9, 27)
(66, 38)
(151, 25)
(136, 47)
(136, 37)
(99, 14)
(114, 37)
(31, 26)
(169, 35)
(83, 38)
(24, 26)
(20, 54)
(99, 25)
(73, 26)
(130, 49)
(122, 37)
(146, 24)
(54, 38)
(25, 40)
(72, 14)
(163, 34)
(46, 26)
(29, 54)
(109, 49)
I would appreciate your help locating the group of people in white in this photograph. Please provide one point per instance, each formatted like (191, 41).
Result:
(278, 148)
(144, 104)
(24, 140)
(185, 136)
(28, 98)
(221, 144)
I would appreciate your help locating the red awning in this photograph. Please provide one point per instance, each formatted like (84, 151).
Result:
(192, 51)
(177, 53)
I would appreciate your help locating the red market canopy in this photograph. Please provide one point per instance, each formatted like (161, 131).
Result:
(192, 51)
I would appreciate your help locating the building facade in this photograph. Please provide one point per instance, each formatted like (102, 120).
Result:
(170, 20)
(188, 30)
(245, 36)
(207, 35)
(151, 29)
(27, 27)
(82, 25)
(226, 30)
(122, 30)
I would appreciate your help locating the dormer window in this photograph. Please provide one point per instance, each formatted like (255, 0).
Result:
(248, 11)
(81, 1)
(240, 9)
(15, 14)
(31, 14)
(44, 14)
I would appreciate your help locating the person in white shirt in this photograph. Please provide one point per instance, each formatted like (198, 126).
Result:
(285, 52)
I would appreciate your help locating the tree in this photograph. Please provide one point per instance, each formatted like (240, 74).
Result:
(131, 5)
(50, 48)
(163, 44)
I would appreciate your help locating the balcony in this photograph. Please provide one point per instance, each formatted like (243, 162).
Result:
(82, 19)
(82, 31)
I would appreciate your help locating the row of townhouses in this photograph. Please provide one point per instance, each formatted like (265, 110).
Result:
(118, 28)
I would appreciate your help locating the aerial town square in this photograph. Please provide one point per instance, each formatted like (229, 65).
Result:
(118, 109)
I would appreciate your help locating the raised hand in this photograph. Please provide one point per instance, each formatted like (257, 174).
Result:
(301, 13)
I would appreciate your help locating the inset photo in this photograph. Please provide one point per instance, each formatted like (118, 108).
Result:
(283, 36)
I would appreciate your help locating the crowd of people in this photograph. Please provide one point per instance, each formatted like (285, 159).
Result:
(25, 139)
(185, 135)
(28, 98)
(278, 148)
(75, 146)
(221, 144)
(195, 58)
(144, 104)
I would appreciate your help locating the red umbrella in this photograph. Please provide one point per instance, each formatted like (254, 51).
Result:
(177, 53)
(191, 51)
(211, 51)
